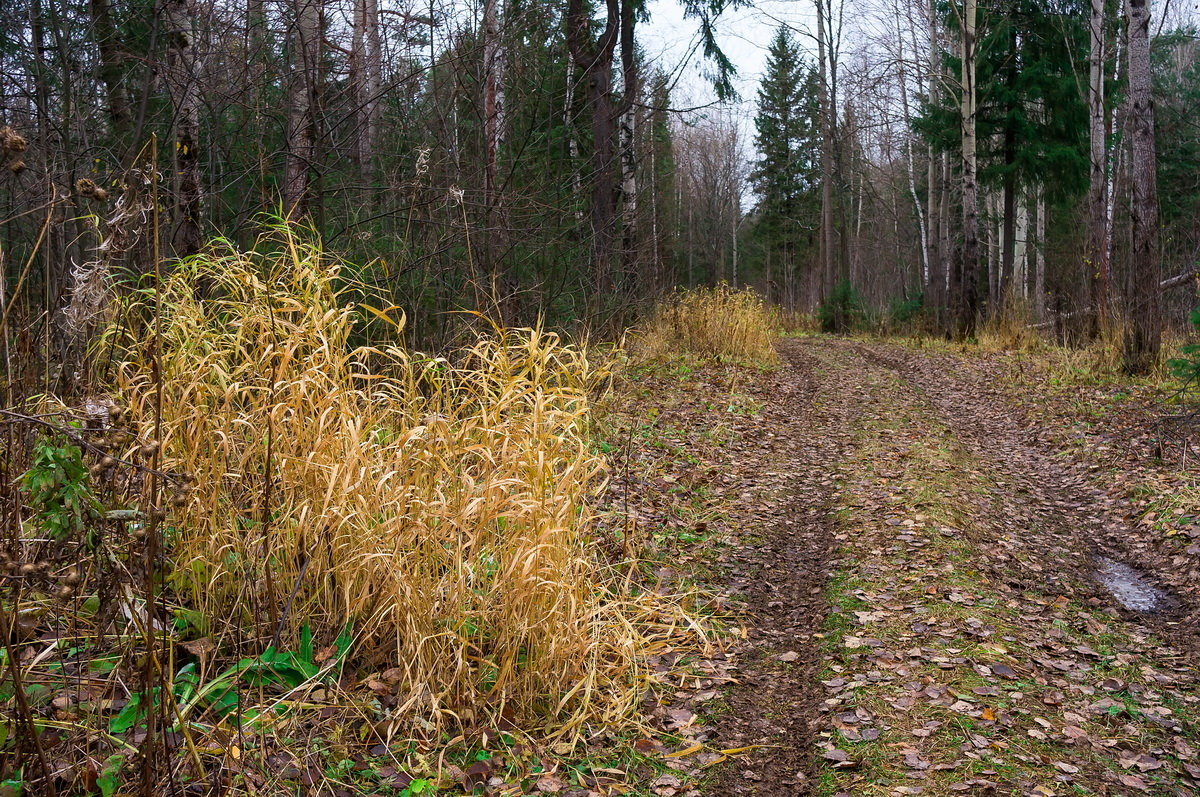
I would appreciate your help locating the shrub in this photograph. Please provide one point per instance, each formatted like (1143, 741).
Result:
(1187, 368)
(904, 311)
(843, 311)
(718, 323)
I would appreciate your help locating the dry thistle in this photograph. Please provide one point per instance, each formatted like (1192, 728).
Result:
(10, 141)
(90, 190)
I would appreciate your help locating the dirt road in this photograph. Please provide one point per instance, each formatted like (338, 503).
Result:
(941, 602)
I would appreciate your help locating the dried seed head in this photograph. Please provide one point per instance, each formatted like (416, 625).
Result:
(86, 187)
(65, 592)
(72, 577)
(178, 499)
(100, 195)
(158, 513)
(139, 533)
(149, 449)
(10, 141)
(27, 569)
(107, 462)
(97, 469)
(16, 166)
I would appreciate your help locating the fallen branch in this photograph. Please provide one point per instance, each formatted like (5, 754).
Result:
(1165, 285)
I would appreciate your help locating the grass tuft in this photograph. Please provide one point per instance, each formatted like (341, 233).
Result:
(720, 323)
(437, 506)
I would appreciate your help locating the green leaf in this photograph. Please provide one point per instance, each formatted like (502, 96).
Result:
(128, 716)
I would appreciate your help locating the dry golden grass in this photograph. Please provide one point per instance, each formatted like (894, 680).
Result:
(437, 505)
(719, 323)
(1103, 357)
(1012, 329)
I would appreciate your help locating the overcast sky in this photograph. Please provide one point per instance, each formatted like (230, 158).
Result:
(744, 35)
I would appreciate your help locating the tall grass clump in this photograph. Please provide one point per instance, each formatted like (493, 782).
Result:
(1012, 329)
(719, 323)
(435, 506)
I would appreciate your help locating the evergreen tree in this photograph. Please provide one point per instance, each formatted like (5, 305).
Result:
(786, 137)
(1032, 110)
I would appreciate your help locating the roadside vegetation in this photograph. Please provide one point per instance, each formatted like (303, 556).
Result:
(267, 555)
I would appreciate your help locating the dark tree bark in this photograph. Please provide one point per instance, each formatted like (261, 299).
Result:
(1096, 258)
(1144, 301)
(968, 298)
(184, 80)
(303, 82)
(828, 250)
(112, 74)
(594, 58)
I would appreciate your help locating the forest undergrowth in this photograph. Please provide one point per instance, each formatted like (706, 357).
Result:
(275, 550)
(266, 556)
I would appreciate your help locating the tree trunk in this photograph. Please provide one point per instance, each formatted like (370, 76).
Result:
(1145, 322)
(1008, 238)
(630, 88)
(184, 76)
(112, 74)
(493, 132)
(1096, 257)
(365, 63)
(305, 56)
(828, 256)
(594, 58)
(1039, 260)
(968, 300)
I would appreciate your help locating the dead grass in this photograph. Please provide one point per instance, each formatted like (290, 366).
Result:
(436, 506)
(1012, 329)
(720, 323)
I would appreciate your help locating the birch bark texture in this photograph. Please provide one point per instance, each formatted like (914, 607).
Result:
(968, 300)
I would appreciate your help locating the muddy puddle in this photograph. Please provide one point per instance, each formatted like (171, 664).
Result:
(1131, 588)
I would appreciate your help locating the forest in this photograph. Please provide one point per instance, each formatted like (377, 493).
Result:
(487, 397)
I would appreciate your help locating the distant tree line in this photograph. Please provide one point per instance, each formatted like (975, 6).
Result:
(965, 157)
(983, 157)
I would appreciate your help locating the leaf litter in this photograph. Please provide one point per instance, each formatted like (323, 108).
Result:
(911, 556)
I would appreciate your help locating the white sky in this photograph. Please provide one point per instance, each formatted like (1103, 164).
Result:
(744, 36)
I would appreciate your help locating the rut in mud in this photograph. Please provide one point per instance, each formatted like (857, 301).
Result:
(932, 600)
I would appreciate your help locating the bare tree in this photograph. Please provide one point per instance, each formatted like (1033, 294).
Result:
(1096, 256)
(711, 179)
(828, 108)
(184, 77)
(1145, 311)
(366, 63)
(304, 41)
(968, 300)
(593, 56)
(112, 74)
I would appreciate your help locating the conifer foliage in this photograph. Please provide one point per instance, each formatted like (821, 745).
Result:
(786, 137)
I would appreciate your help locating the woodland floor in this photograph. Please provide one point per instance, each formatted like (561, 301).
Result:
(912, 540)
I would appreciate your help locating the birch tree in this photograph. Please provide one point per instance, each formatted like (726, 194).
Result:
(968, 299)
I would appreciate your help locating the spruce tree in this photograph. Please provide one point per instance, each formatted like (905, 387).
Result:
(786, 133)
